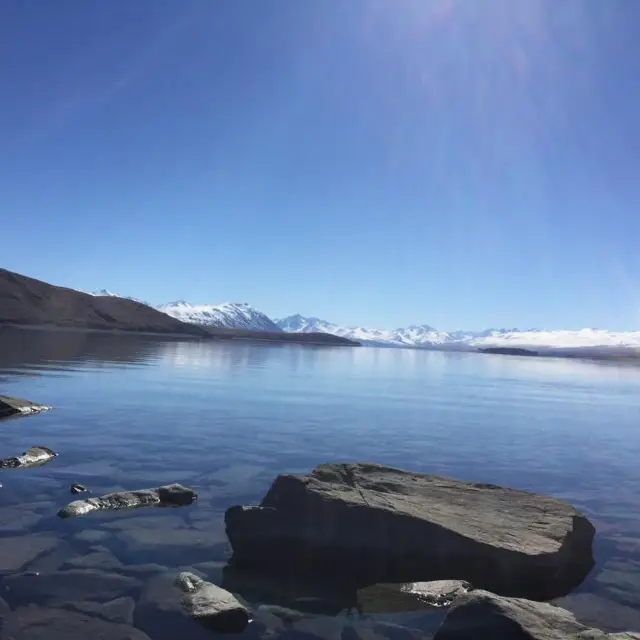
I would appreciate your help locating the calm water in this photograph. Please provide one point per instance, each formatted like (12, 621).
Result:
(226, 418)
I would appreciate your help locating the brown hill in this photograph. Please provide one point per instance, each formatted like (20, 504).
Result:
(29, 302)
(26, 301)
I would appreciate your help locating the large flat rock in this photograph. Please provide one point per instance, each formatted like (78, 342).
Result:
(368, 523)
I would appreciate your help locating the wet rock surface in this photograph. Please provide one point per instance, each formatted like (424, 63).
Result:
(17, 551)
(210, 605)
(62, 554)
(159, 611)
(172, 495)
(482, 615)
(18, 407)
(36, 623)
(98, 558)
(412, 596)
(369, 523)
(594, 611)
(118, 610)
(32, 457)
(75, 585)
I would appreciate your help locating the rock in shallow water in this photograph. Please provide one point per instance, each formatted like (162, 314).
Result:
(35, 623)
(212, 606)
(17, 551)
(482, 615)
(368, 523)
(171, 495)
(78, 488)
(17, 407)
(411, 596)
(59, 587)
(32, 457)
(439, 593)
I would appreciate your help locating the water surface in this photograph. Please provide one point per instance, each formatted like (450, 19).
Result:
(133, 412)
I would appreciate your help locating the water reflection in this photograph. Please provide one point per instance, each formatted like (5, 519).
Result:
(137, 411)
(35, 352)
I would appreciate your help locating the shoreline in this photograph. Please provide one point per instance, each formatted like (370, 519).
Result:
(213, 334)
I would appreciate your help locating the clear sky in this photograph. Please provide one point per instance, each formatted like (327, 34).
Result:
(459, 163)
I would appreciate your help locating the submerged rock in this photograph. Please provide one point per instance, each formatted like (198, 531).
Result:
(20, 550)
(75, 585)
(411, 596)
(367, 523)
(17, 407)
(171, 495)
(32, 457)
(211, 605)
(480, 614)
(32, 622)
(438, 593)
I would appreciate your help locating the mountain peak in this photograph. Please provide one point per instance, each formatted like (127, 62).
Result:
(231, 315)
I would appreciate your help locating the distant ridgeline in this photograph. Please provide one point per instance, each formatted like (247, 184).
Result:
(29, 302)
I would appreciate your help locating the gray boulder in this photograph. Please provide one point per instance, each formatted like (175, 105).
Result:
(172, 495)
(212, 606)
(366, 523)
(479, 614)
(32, 457)
(16, 407)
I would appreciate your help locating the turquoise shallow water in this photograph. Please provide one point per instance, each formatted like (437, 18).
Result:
(225, 419)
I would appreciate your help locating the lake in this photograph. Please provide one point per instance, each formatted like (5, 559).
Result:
(226, 418)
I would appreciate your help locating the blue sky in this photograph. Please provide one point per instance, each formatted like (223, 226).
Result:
(457, 163)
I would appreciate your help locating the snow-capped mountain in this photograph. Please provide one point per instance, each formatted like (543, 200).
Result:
(426, 336)
(243, 316)
(231, 315)
(418, 335)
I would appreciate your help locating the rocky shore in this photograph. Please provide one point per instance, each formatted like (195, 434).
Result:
(363, 537)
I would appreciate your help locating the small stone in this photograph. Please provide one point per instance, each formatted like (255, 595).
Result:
(78, 488)
(211, 605)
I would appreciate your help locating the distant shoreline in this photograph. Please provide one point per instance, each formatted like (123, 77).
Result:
(211, 334)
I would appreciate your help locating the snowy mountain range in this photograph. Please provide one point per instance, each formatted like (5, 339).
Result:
(244, 316)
